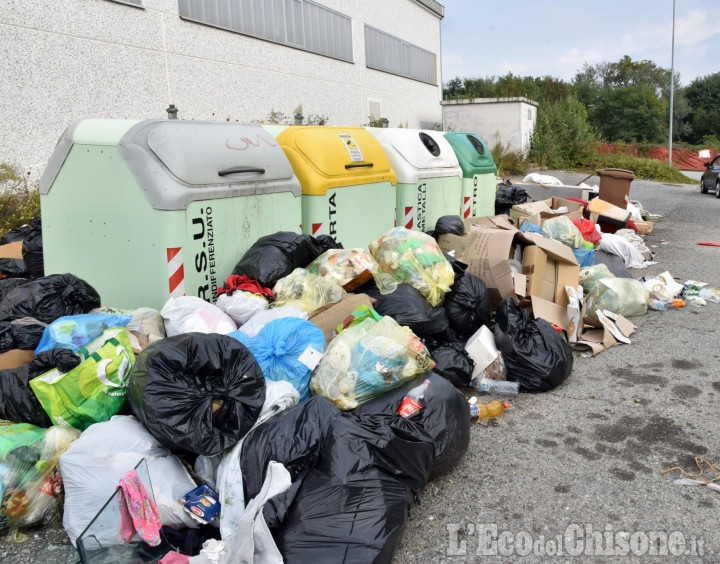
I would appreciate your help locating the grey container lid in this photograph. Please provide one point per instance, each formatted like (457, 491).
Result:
(176, 162)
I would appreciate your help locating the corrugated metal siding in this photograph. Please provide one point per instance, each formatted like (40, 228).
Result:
(298, 23)
(388, 53)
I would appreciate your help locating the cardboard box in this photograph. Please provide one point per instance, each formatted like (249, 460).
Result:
(11, 250)
(537, 212)
(644, 227)
(549, 266)
(333, 314)
(15, 358)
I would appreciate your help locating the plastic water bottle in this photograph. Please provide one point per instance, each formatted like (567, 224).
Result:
(502, 387)
(658, 305)
(413, 401)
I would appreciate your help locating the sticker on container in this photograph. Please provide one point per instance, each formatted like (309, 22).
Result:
(310, 357)
(352, 147)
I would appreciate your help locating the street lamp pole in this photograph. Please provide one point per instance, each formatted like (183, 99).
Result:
(672, 86)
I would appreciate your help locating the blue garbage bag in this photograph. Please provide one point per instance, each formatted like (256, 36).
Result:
(585, 257)
(75, 331)
(287, 349)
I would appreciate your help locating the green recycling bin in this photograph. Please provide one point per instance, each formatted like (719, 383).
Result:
(479, 173)
(148, 210)
(347, 183)
(429, 178)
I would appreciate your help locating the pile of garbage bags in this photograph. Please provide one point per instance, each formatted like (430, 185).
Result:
(250, 423)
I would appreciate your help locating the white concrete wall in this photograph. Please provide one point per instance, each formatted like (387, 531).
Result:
(507, 120)
(70, 59)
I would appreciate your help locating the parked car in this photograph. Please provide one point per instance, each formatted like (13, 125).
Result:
(710, 180)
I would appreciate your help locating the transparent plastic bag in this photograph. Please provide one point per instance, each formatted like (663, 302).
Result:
(563, 230)
(625, 296)
(306, 291)
(414, 258)
(342, 265)
(189, 314)
(591, 274)
(30, 480)
(145, 328)
(368, 359)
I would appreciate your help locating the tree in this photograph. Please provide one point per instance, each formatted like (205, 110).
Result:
(562, 133)
(703, 98)
(627, 100)
(509, 86)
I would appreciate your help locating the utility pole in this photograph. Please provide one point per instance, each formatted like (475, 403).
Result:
(672, 85)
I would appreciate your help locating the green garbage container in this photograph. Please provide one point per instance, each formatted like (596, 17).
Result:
(479, 173)
(148, 210)
(429, 178)
(347, 183)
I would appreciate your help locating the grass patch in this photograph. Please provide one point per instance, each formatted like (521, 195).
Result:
(19, 198)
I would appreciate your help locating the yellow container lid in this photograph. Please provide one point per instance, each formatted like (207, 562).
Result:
(326, 157)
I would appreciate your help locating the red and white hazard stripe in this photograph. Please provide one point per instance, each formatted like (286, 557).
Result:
(176, 272)
(409, 216)
(466, 206)
(317, 229)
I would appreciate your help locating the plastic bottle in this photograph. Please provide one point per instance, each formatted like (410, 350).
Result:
(479, 411)
(657, 305)
(502, 387)
(413, 401)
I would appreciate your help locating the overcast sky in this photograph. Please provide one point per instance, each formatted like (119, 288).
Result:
(538, 38)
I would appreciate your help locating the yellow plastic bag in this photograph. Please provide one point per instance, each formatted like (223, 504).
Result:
(414, 258)
(306, 291)
(368, 359)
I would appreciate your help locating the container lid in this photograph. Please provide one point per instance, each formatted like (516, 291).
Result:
(416, 154)
(616, 173)
(472, 152)
(329, 157)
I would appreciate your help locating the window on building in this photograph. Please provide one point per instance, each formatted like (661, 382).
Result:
(297, 23)
(136, 3)
(391, 54)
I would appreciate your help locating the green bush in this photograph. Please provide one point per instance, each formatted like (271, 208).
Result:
(649, 169)
(19, 198)
(509, 162)
(562, 134)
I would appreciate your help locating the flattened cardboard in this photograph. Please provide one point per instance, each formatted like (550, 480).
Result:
(550, 312)
(15, 357)
(600, 210)
(597, 338)
(333, 314)
(11, 250)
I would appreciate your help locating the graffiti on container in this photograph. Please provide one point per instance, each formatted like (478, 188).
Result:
(205, 259)
(421, 199)
(245, 143)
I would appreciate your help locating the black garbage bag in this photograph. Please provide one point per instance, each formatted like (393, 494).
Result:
(408, 307)
(17, 234)
(352, 506)
(445, 418)
(275, 256)
(535, 354)
(8, 284)
(13, 268)
(458, 266)
(32, 250)
(293, 438)
(468, 305)
(452, 224)
(18, 402)
(197, 393)
(48, 298)
(508, 195)
(453, 362)
(24, 334)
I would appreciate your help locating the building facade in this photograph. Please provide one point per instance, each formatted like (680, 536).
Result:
(342, 61)
(509, 121)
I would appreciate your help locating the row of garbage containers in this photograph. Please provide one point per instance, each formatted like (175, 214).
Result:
(152, 209)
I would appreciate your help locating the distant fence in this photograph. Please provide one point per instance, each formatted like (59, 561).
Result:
(684, 159)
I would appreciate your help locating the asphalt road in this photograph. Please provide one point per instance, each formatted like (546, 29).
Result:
(573, 475)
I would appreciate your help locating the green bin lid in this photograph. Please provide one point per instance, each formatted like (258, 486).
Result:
(472, 153)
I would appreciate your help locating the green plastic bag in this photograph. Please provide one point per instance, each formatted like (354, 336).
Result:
(93, 391)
